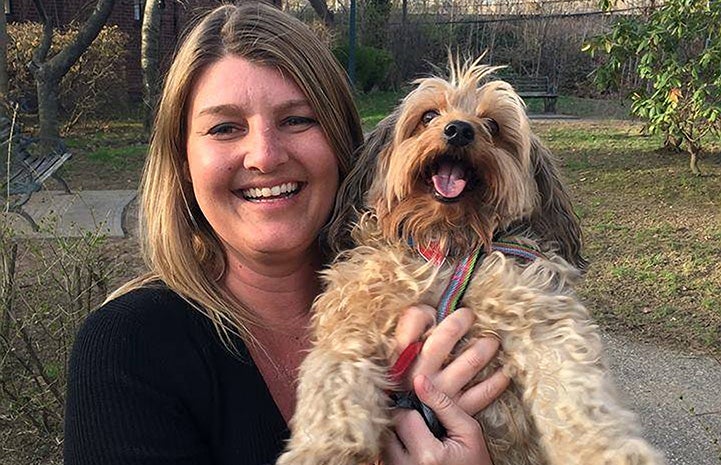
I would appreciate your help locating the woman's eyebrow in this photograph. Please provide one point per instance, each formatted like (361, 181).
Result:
(224, 109)
(291, 104)
(232, 109)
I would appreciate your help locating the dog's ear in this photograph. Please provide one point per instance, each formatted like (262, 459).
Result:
(554, 219)
(352, 194)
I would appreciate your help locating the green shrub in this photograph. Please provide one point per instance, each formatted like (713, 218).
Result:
(96, 85)
(372, 66)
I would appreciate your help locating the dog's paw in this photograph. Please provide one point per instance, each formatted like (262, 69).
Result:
(634, 451)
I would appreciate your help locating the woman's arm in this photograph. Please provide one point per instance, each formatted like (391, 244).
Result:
(125, 396)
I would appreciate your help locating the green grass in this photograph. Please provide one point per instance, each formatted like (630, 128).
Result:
(375, 106)
(118, 157)
(652, 230)
(584, 107)
(113, 152)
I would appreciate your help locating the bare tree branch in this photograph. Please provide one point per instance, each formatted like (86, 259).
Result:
(64, 60)
(323, 12)
(41, 53)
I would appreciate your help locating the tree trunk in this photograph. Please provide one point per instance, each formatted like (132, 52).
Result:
(48, 72)
(323, 13)
(48, 107)
(694, 162)
(3, 64)
(150, 60)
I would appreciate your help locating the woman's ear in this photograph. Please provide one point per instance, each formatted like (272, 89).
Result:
(185, 172)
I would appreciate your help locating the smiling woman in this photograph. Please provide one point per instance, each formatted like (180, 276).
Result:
(196, 362)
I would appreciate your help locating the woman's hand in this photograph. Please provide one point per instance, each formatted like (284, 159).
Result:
(414, 444)
(439, 387)
(451, 378)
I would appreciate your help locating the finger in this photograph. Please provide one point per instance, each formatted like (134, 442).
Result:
(458, 424)
(484, 393)
(466, 366)
(412, 324)
(440, 343)
(394, 452)
(412, 430)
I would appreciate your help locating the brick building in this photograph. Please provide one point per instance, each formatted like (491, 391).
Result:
(127, 14)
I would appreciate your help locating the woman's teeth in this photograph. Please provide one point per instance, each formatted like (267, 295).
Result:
(259, 193)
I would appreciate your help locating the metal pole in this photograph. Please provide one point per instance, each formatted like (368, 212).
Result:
(351, 43)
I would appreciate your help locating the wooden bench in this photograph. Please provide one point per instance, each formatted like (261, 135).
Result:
(529, 87)
(25, 164)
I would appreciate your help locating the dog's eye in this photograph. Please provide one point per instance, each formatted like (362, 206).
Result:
(429, 116)
(492, 126)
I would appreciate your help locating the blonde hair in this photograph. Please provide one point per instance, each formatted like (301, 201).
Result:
(179, 246)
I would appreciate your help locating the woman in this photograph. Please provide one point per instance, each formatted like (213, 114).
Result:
(196, 362)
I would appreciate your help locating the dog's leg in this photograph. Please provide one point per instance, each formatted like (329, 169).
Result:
(569, 392)
(342, 409)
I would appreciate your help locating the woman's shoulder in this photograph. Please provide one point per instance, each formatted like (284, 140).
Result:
(151, 316)
(151, 304)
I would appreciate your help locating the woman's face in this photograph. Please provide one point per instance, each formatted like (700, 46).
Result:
(262, 170)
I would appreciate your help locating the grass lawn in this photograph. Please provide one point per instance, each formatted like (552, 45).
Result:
(652, 230)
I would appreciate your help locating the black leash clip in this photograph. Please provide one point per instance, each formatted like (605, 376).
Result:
(409, 400)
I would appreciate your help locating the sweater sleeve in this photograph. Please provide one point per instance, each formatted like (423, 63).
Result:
(133, 373)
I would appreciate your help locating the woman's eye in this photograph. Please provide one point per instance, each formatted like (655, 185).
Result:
(429, 116)
(223, 129)
(295, 121)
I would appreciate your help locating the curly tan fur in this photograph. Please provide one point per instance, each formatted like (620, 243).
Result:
(561, 408)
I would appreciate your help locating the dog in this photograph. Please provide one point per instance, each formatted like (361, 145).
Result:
(456, 168)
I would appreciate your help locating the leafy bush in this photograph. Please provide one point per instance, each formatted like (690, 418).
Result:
(96, 86)
(372, 66)
(678, 46)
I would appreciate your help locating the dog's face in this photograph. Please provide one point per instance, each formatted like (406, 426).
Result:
(458, 164)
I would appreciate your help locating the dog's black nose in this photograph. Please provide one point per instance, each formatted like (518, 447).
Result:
(458, 133)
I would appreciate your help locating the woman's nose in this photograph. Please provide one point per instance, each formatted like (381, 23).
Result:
(264, 152)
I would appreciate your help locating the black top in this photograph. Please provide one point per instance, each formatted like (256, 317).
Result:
(150, 382)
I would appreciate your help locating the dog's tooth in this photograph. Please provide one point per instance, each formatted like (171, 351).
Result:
(275, 190)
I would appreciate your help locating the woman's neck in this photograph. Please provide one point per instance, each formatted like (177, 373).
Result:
(279, 291)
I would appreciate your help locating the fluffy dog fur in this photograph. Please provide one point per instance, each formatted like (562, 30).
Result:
(561, 408)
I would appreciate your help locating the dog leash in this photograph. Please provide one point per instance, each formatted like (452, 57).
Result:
(451, 297)
(465, 267)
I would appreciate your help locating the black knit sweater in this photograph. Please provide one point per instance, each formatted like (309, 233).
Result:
(151, 383)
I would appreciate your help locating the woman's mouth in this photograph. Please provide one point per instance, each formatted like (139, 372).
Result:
(267, 194)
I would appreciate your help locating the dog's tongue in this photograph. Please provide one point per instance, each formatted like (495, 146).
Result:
(448, 180)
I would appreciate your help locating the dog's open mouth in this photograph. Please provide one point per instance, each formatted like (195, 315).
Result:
(449, 177)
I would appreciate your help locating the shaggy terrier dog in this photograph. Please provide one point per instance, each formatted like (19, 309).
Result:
(456, 169)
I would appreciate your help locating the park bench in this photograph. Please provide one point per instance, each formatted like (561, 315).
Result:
(26, 163)
(530, 87)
